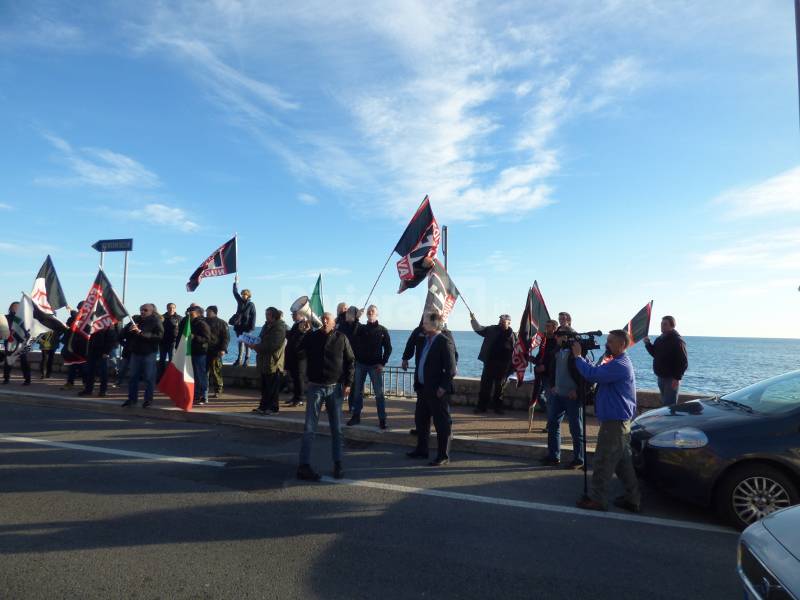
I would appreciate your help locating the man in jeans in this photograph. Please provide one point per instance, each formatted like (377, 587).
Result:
(171, 319)
(217, 347)
(201, 336)
(330, 375)
(372, 347)
(143, 336)
(669, 360)
(615, 407)
(563, 399)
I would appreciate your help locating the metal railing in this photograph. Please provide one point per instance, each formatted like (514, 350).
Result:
(396, 382)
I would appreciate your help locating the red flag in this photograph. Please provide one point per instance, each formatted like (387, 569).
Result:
(221, 262)
(531, 331)
(418, 246)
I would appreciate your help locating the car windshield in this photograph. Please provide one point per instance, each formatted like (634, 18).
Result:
(775, 395)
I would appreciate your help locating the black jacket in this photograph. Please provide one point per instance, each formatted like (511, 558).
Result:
(245, 318)
(348, 329)
(171, 331)
(372, 344)
(294, 353)
(497, 348)
(439, 367)
(102, 342)
(220, 335)
(330, 358)
(669, 355)
(416, 341)
(146, 342)
(546, 359)
(201, 336)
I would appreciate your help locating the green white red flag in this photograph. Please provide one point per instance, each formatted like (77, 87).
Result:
(177, 382)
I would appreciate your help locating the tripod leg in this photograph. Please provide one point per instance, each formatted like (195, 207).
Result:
(530, 417)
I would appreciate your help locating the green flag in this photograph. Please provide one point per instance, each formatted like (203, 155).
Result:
(316, 298)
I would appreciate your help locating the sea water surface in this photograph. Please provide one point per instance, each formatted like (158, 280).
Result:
(716, 365)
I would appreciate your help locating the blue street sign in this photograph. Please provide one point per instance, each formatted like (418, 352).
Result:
(113, 245)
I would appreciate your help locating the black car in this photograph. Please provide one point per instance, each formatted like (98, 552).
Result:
(739, 452)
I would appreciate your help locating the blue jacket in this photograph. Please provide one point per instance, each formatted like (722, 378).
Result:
(616, 389)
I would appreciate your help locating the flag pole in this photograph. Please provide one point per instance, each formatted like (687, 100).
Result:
(236, 254)
(379, 277)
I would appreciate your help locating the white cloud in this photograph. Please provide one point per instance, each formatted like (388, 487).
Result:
(98, 167)
(308, 199)
(776, 251)
(777, 195)
(4, 206)
(306, 274)
(170, 217)
(19, 248)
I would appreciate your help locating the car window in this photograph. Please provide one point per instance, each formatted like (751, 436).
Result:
(774, 395)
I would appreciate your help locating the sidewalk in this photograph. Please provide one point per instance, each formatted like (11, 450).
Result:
(486, 433)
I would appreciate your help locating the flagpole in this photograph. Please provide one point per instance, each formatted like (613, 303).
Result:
(236, 254)
(379, 277)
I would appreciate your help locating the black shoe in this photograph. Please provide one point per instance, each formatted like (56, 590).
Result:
(147, 404)
(625, 504)
(101, 394)
(260, 411)
(575, 464)
(499, 411)
(201, 402)
(549, 461)
(478, 410)
(26, 382)
(439, 462)
(216, 395)
(382, 424)
(128, 404)
(275, 410)
(354, 420)
(5, 382)
(412, 431)
(84, 393)
(295, 403)
(338, 473)
(415, 454)
(306, 473)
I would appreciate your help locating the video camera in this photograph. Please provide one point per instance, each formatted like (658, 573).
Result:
(586, 340)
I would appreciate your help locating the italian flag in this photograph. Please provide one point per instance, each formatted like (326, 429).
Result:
(177, 382)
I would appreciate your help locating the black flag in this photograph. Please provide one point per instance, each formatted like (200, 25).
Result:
(221, 262)
(442, 292)
(418, 246)
(101, 309)
(47, 293)
(639, 326)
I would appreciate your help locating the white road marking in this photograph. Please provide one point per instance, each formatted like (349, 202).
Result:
(113, 451)
(401, 489)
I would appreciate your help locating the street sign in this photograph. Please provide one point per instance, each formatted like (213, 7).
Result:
(113, 245)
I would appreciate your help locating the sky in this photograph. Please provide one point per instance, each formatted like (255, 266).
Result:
(614, 151)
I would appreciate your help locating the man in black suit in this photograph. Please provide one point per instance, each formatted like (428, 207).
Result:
(433, 381)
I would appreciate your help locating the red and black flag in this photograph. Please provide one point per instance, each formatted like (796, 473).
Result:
(418, 246)
(442, 292)
(531, 331)
(221, 262)
(639, 326)
(101, 310)
(47, 293)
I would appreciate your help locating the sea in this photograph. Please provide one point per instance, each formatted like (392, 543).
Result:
(717, 365)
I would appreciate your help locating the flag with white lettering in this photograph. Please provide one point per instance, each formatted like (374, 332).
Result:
(418, 246)
(221, 262)
(442, 292)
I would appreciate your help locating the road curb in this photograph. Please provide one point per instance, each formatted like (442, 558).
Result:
(359, 433)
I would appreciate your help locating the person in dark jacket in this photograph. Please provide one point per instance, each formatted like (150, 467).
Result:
(295, 361)
(563, 400)
(244, 321)
(101, 343)
(347, 323)
(543, 367)
(496, 353)
(142, 337)
(217, 347)
(270, 360)
(73, 370)
(433, 381)
(166, 349)
(201, 337)
(24, 365)
(330, 375)
(670, 360)
(372, 347)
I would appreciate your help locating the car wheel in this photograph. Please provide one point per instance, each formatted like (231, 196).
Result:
(752, 491)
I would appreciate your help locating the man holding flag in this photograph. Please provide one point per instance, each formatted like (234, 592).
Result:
(14, 344)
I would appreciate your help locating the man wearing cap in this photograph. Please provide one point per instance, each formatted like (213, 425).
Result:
(217, 347)
(496, 352)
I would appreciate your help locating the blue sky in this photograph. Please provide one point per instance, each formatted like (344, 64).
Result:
(614, 151)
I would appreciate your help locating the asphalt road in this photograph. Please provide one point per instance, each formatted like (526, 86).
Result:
(83, 522)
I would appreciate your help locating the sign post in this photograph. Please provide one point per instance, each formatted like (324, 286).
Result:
(122, 245)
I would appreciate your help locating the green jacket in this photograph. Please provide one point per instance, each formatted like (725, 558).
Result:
(271, 350)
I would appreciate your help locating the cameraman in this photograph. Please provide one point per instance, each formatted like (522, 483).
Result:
(563, 399)
(615, 406)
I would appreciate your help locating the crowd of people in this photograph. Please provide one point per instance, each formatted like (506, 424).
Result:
(328, 360)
